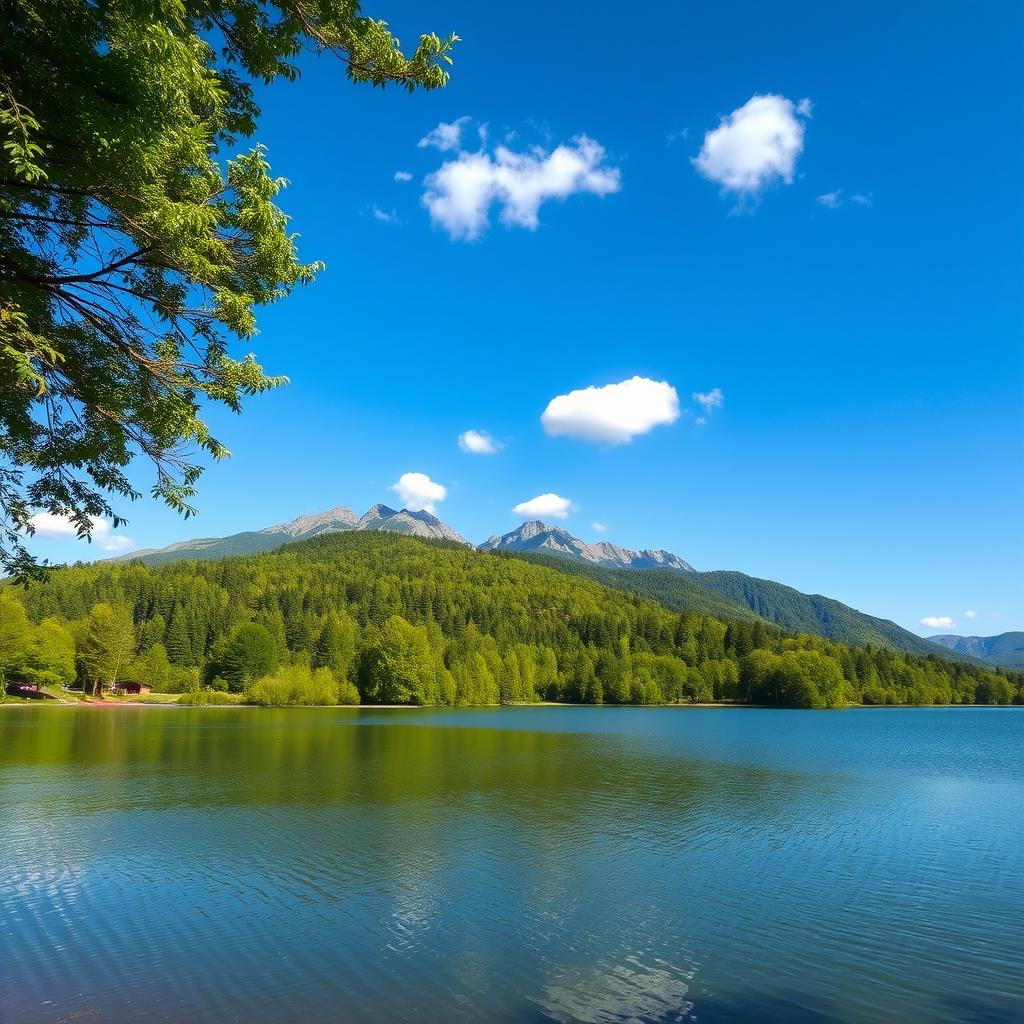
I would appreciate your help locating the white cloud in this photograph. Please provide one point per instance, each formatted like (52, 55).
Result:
(754, 145)
(447, 135)
(385, 216)
(403, 176)
(804, 107)
(460, 194)
(118, 543)
(479, 442)
(833, 200)
(56, 527)
(419, 492)
(599, 527)
(713, 399)
(937, 622)
(544, 506)
(615, 413)
(969, 614)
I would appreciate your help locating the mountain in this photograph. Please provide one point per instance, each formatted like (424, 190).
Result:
(553, 540)
(733, 595)
(656, 574)
(1005, 650)
(412, 524)
(331, 521)
(335, 520)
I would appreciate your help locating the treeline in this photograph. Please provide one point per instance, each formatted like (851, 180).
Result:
(381, 618)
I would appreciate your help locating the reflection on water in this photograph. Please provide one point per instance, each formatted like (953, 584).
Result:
(542, 864)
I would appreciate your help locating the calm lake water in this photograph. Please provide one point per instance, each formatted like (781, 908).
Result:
(535, 864)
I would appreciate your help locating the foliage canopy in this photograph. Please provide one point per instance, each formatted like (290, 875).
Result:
(391, 619)
(137, 237)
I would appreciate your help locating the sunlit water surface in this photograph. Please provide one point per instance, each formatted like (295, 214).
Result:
(535, 864)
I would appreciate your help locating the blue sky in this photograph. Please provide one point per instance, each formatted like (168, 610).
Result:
(868, 345)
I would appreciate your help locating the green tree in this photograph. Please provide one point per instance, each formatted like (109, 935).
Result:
(250, 654)
(336, 647)
(51, 654)
(137, 238)
(107, 644)
(399, 666)
(151, 666)
(14, 637)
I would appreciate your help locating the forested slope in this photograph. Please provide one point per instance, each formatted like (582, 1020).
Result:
(736, 595)
(677, 591)
(811, 613)
(389, 619)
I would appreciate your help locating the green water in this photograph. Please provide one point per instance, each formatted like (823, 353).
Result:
(534, 864)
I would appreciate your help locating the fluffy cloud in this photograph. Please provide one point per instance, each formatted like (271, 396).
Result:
(860, 200)
(599, 527)
(118, 543)
(713, 399)
(755, 145)
(970, 614)
(460, 194)
(544, 506)
(615, 413)
(447, 135)
(419, 492)
(56, 527)
(479, 442)
(937, 622)
(403, 176)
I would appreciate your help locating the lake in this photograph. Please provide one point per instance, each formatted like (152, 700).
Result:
(547, 864)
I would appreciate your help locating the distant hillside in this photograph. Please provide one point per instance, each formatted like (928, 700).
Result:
(812, 613)
(1005, 650)
(335, 520)
(653, 573)
(739, 596)
(679, 592)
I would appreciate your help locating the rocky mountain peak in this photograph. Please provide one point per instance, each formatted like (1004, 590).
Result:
(339, 518)
(554, 540)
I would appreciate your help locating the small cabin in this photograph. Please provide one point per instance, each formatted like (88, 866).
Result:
(131, 686)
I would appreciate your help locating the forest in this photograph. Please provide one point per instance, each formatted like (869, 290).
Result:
(378, 618)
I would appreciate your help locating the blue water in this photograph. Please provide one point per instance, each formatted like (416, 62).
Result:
(532, 864)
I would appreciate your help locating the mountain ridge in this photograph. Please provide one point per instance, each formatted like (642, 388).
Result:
(339, 519)
(1004, 650)
(743, 596)
(655, 573)
(535, 535)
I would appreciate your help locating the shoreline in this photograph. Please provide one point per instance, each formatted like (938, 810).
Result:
(472, 707)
